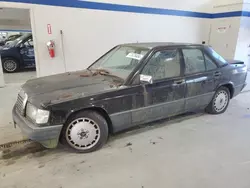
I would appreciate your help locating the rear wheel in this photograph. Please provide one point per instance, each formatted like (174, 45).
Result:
(85, 132)
(10, 65)
(219, 102)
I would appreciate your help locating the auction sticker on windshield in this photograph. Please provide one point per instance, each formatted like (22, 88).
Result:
(135, 56)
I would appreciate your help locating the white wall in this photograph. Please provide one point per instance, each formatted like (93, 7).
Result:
(243, 42)
(14, 19)
(239, 35)
(14, 26)
(87, 34)
(224, 41)
(227, 5)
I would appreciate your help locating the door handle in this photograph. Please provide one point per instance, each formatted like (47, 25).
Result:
(178, 82)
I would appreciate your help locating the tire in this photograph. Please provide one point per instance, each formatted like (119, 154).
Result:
(10, 65)
(87, 137)
(220, 101)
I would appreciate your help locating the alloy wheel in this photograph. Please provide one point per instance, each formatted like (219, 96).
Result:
(10, 65)
(83, 133)
(220, 101)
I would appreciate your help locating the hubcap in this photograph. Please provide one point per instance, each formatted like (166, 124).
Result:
(83, 133)
(220, 101)
(10, 65)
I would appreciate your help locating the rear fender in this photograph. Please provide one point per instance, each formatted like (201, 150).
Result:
(229, 85)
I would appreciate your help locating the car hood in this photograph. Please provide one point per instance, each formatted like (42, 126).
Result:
(67, 86)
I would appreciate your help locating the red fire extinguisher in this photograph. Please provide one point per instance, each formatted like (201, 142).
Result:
(51, 48)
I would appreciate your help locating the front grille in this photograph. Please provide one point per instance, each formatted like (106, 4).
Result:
(21, 102)
(20, 105)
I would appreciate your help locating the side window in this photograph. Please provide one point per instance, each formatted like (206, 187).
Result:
(209, 63)
(194, 61)
(29, 43)
(163, 64)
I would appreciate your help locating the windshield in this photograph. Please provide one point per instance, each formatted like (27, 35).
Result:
(18, 40)
(13, 37)
(121, 61)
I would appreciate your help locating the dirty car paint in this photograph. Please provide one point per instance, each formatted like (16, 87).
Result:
(128, 102)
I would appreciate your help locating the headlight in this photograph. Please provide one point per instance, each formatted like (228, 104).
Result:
(37, 115)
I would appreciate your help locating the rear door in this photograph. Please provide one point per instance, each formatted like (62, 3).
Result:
(201, 75)
(165, 95)
(27, 52)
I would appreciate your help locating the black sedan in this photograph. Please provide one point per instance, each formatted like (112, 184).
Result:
(131, 84)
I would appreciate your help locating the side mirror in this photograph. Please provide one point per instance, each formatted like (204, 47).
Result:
(146, 79)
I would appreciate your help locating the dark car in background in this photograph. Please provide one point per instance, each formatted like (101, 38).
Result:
(18, 54)
(131, 84)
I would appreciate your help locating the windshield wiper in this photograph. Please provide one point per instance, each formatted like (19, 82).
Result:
(102, 71)
(105, 73)
(99, 71)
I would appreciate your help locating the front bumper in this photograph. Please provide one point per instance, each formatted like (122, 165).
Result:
(47, 136)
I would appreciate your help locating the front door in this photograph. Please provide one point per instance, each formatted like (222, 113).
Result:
(27, 52)
(163, 97)
(201, 76)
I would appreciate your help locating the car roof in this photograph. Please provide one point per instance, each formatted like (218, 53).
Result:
(151, 45)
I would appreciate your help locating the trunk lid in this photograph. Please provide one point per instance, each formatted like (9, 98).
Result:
(235, 61)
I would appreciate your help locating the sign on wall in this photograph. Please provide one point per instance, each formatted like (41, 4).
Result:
(49, 29)
(222, 29)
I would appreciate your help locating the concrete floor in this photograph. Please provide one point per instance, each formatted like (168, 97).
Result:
(19, 77)
(247, 88)
(196, 151)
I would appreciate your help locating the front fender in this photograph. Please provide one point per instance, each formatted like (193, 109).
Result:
(89, 107)
(100, 109)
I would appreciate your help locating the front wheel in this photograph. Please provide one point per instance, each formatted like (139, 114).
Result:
(10, 65)
(219, 102)
(85, 131)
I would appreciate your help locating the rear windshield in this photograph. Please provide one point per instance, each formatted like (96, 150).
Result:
(216, 56)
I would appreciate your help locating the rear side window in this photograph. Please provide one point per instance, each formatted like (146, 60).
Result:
(194, 61)
(210, 65)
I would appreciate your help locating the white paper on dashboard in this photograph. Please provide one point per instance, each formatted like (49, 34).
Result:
(135, 56)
